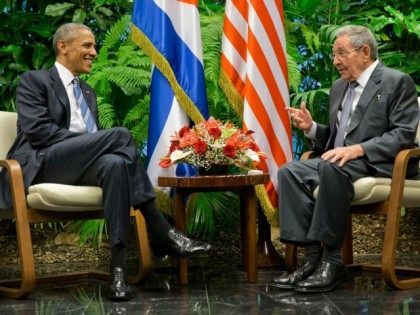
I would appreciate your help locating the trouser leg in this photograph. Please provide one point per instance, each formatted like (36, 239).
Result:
(332, 207)
(296, 182)
(304, 219)
(107, 159)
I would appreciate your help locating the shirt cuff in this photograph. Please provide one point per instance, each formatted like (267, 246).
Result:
(312, 132)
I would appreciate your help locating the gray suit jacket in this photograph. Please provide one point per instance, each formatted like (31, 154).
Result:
(384, 122)
(43, 119)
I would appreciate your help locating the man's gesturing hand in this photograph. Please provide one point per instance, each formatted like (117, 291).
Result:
(301, 118)
(343, 154)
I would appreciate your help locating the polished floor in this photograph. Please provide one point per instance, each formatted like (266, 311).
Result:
(216, 289)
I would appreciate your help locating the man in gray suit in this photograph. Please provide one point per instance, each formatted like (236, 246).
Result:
(58, 142)
(374, 114)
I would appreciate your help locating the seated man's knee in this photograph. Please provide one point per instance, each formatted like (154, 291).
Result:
(122, 132)
(113, 162)
(285, 169)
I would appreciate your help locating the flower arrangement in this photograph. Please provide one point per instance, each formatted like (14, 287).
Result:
(211, 143)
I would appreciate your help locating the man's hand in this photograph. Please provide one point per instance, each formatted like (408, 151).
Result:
(343, 154)
(301, 118)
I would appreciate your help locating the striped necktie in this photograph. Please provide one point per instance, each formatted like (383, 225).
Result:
(87, 116)
(345, 114)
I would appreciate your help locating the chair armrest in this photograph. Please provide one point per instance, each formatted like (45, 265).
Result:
(307, 155)
(400, 171)
(17, 187)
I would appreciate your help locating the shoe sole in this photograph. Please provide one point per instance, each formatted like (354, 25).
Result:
(283, 286)
(323, 289)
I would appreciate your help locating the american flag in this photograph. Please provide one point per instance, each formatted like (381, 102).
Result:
(254, 78)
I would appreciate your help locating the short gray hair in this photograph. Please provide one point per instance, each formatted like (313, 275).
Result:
(360, 36)
(67, 32)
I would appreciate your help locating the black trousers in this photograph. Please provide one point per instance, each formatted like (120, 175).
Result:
(108, 159)
(305, 219)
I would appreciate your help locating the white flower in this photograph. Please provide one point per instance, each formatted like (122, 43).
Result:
(178, 155)
(252, 155)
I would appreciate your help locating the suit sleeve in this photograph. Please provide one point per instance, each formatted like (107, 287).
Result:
(34, 118)
(403, 110)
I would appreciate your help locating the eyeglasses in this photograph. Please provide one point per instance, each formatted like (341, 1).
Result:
(342, 53)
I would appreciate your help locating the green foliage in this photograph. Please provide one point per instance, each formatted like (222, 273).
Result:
(89, 231)
(212, 209)
(43, 308)
(94, 305)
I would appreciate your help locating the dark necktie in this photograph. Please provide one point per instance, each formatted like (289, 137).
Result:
(345, 114)
(87, 116)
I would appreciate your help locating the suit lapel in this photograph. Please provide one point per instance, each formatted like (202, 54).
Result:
(60, 90)
(368, 93)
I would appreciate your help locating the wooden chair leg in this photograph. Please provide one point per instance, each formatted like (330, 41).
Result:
(388, 269)
(347, 249)
(142, 247)
(290, 257)
(24, 240)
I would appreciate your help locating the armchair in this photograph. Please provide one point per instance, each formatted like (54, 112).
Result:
(53, 202)
(382, 196)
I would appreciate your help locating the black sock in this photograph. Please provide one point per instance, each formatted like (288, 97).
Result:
(313, 252)
(118, 256)
(156, 223)
(332, 254)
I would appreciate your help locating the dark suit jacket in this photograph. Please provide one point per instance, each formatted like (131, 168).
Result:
(43, 119)
(384, 122)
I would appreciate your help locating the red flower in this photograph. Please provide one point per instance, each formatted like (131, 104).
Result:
(174, 146)
(184, 130)
(254, 147)
(215, 132)
(200, 147)
(165, 162)
(188, 139)
(229, 151)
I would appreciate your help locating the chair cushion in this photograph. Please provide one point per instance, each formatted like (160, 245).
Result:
(60, 197)
(375, 189)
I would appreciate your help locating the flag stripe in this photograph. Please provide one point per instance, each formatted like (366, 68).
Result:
(271, 32)
(240, 5)
(232, 63)
(184, 63)
(267, 75)
(260, 78)
(233, 36)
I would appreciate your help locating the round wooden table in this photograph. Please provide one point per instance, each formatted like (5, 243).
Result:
(241, 184)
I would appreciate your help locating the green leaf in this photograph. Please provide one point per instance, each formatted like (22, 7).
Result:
(58, 9)
(105, 11)
(39, 55)
(398, 29)
(79, 16)
(394, 12)
(308, 6)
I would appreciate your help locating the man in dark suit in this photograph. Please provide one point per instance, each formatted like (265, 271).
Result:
(58, 142)
(374, 114)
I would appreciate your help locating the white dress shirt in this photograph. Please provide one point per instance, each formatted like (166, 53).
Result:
(362, 80)
(76, 119)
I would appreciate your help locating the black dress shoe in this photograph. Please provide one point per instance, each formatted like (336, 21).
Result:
(177, 244)
(325, 278)
(119, 290)
(288, 280)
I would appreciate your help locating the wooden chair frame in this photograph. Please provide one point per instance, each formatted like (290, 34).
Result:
(390, 208)
(24, 216)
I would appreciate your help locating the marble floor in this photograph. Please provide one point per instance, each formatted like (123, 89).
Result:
(216, 289)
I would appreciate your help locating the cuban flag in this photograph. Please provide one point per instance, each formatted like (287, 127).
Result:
(169, 32)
